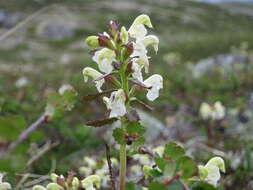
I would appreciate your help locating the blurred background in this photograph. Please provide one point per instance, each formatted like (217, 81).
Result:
(205, 55)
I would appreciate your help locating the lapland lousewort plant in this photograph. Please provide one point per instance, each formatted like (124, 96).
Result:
(121, 56)
(215, 112)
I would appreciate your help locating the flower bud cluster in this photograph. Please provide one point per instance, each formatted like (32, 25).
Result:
(71, 183)
(97, 167)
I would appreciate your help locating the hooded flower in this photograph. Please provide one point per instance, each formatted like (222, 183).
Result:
(219, 111)
(94, 74)
(205, 110)
(151, 40)
(211, 171)
(104, 59)
(155, 82)
(89, 182)
(116, 103)
(137, 29)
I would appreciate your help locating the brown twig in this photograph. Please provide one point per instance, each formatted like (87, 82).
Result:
(23, 136)
(184, 185)
(25, 21)
(174, 178)
(48, 146)
(109, 162)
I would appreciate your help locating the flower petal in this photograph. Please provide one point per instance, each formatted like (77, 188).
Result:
(104, 59)
(116, 103)
(94, 74)
(156, 83)
(151, 40)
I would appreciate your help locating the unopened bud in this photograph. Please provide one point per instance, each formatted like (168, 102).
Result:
(129, 48)
(103, 40)
(54, 186)
(117, 65)
(60, 180)
(113, 28)
(92, 42)
(124, 36)
(54, 177)
(129, 67)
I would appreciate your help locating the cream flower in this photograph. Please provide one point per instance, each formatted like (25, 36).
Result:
(38, 187)
(215, 112)
(94, 74)
(89, 182)
(116, 103)
(211, 171)
(4, 185)
(54, 186)
(155, 82)
(219, 111)
(137, 29)
(205, 110)
(104, 59)
(151, 40)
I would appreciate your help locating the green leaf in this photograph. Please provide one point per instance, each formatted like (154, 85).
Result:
(133, 186)
(155, 173)
(170, 169)
(173, 151)
(175, 185)
(187, 166)
(119, 135)
(203, 186)
(139, 142)
(11, 127)
(161, 163)
(156, 186)
(135, 128)
(69, 99)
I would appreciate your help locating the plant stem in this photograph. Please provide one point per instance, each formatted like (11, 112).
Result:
(122, 166)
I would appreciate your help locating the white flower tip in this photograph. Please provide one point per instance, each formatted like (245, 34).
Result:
(143, 19)
(156, 83)
(218, 162)
(65, 87)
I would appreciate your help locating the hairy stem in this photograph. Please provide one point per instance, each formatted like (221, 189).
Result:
(122, 166)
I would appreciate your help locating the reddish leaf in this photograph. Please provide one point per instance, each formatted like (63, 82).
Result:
(100, 123)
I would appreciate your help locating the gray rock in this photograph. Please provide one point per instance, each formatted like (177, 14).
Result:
(8, 20)
(57, 32)
(56, 28)
(225, 63)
